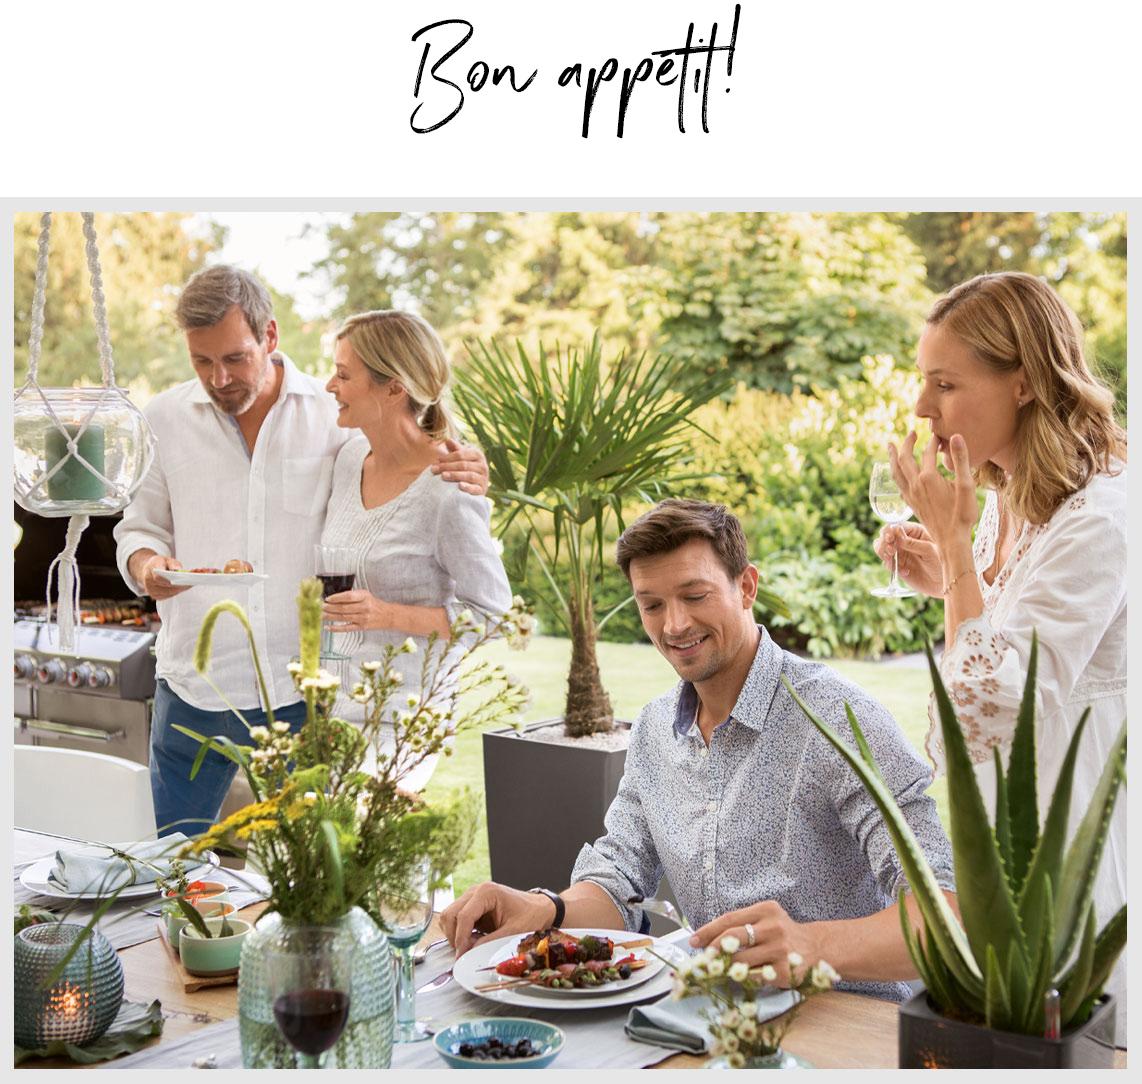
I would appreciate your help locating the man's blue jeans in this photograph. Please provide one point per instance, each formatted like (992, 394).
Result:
(190, 805)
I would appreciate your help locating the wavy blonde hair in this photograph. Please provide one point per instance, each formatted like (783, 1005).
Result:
(1067, 433)
(403, 347)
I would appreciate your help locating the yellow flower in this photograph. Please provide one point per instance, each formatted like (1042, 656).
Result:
(263, 824)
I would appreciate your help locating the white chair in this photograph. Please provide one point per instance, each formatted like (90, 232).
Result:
(85, 795)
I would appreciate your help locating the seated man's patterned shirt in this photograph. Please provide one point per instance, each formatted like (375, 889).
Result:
(769, 811)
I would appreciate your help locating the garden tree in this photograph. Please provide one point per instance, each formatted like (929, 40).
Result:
(958, 245)
(386, 259)
(300, 339)
(560, 278)
(145, 258)
(788, 300)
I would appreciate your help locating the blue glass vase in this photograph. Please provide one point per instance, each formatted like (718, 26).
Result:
(83, 1000)
(366, 1042)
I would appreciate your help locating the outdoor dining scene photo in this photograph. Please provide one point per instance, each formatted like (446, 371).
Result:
(598, 640)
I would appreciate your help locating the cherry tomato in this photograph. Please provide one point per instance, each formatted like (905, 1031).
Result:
(514, 967)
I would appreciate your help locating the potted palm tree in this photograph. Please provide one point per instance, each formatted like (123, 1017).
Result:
(571, 440)
(1019, 983)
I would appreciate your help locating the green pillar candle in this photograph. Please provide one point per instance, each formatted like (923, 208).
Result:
(73, 481)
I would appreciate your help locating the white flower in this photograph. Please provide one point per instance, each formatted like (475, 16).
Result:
(736, 1060)
(739, 971)
(698, 969)
(260, 733)
(294, 667)
(517, 602)
(826, 969)
(280, 726)
(769, 973)
(716, 968)
(682, 968)
(729, 1043)
(730, 944)
(795, 959)
(747, 1030)
(709, 952)
(371, 667)
(309, 797)
(748, 1009)
(730, 1018)
(464, 617)
(394, 677)
(408, 647)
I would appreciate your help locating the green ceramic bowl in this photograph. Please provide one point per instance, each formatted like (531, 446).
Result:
(214, 955)
(175, 919)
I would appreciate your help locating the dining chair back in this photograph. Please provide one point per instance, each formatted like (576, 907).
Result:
(89, 796)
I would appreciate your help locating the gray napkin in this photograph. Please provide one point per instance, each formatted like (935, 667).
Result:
(679, 1025)
(93, 870)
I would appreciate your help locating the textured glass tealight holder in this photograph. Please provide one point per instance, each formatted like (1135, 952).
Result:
(83, 1000)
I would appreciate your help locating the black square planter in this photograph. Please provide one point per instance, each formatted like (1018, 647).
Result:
(931, 1041)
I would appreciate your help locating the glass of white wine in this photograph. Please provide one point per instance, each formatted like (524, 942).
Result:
(888, 503)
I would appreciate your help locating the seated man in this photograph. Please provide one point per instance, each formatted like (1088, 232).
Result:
(763, 829)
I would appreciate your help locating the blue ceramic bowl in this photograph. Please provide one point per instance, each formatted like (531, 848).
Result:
(546, 1038)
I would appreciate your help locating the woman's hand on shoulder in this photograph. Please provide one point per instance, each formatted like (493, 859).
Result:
(918, 561)
(355, 611)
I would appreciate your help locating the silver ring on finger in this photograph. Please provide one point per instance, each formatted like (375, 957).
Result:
(751, 935)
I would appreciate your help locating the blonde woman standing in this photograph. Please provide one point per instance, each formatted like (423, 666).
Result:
(1014, 407)
(424, 549)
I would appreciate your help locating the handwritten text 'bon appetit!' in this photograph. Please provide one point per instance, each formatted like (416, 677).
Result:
(449, 72)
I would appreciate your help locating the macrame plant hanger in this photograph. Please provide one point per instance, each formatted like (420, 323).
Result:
(120, 480)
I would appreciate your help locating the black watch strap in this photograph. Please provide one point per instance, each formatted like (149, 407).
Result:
(560, 904)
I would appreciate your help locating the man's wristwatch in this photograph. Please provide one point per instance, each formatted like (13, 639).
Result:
(560, 904)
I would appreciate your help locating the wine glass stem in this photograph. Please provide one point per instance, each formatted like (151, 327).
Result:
(406, 994)
(895, 558)
(309, 1061)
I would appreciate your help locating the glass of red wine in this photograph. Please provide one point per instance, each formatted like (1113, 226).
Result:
(310, 972)
(334, 568)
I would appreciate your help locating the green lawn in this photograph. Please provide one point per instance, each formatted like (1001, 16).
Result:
(634, 674)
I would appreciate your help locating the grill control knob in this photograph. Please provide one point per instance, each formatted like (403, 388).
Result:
(100, 677)
(78, 676)
(24, 666)
(50, 672)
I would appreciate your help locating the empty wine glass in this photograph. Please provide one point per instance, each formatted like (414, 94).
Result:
(334, 567)
(405, 917)
(888, 503)
(310, 972)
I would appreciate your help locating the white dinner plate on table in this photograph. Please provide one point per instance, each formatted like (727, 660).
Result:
(648, 982)
(179, 578)
(35, 879)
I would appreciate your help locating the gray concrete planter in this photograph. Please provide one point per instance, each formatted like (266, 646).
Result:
(931, 1041)
(544, 801)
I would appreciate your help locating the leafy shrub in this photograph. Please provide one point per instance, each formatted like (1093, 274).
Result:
(795, 469)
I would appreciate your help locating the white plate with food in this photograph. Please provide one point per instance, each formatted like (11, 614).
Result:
(35, 879)
(531, 971)
(241, 573)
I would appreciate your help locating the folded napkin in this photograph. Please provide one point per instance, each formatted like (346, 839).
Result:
(680, 1025)
(96, 869)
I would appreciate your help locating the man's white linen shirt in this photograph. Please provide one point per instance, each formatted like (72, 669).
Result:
(208, 499)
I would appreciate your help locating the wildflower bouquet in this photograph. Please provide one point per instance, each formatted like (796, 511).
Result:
(733, 989)
(327, 833)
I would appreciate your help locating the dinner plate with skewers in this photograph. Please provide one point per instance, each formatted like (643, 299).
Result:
(566, 968)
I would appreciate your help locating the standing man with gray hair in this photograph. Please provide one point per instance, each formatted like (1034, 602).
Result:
(242, 471)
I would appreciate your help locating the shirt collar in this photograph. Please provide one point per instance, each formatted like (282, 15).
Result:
(292, 381)
(757, 691)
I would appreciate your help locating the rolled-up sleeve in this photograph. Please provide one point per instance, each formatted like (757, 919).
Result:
(147, 523)
(624, 862)
(466, 550)
(908, 778)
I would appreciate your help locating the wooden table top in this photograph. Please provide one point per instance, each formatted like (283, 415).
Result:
(833, 1030)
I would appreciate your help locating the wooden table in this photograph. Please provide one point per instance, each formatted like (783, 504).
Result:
(833, 1030)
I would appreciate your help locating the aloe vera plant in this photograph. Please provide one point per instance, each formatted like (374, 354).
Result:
(1025, 896)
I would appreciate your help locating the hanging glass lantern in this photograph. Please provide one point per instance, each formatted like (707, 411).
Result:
(79, 451)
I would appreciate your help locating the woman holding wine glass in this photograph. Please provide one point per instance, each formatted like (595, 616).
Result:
(424, 552)
(1014, 407)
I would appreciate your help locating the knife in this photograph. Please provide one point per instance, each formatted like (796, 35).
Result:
(661, 907)
(433, 984)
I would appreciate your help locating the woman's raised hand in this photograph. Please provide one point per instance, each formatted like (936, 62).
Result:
(948, 509)
(918, 563)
